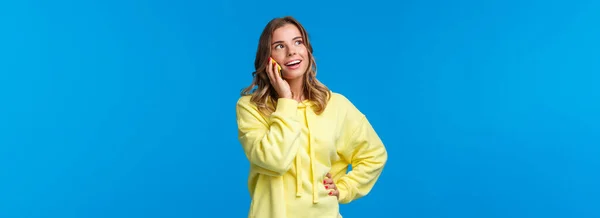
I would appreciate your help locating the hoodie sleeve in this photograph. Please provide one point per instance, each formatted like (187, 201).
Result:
(362, 148)
(269, 142)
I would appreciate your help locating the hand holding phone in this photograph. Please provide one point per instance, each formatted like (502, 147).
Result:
(278, 67)
(275, 75)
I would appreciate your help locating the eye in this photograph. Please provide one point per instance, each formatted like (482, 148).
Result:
(279, 46)
(299, 42)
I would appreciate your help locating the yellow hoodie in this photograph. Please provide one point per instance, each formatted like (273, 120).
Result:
(291, 151)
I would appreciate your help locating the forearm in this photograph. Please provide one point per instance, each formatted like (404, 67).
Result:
(368, 156)
(360, 181)
(273, 148)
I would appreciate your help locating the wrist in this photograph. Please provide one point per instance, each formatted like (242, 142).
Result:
(343, 192)
(287, 96)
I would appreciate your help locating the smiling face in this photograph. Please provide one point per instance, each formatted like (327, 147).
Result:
(289, 50)
(287, 42)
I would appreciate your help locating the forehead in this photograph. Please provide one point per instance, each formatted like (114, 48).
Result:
(286, 32)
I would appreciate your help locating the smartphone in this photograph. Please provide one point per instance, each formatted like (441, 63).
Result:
(278, 66)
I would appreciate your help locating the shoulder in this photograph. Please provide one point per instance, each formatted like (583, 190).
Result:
(342, 103)
(339, 100)
(245, 99)
(247, 110)
(245, 103)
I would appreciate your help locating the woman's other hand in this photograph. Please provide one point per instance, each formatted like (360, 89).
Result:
(330, 186)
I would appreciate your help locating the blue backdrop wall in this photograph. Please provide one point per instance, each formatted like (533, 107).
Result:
(126, 108)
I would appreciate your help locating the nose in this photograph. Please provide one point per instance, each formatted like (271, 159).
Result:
(291, 52)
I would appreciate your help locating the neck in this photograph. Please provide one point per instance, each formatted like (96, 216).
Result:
(297, 88)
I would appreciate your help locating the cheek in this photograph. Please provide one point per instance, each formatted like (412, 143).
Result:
(276, 52)
(305, 56)
(303, 52)
(278, 57)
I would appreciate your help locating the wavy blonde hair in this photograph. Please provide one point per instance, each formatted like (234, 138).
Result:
(263, 94)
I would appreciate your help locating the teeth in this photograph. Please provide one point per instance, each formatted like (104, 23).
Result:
(293, 62)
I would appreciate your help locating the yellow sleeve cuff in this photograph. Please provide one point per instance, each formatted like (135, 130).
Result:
(343, 197)
(287, 106)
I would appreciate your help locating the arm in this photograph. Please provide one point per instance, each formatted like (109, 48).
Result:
(269, 143)
(363, 149)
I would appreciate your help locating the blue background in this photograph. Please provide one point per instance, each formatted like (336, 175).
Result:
(126, 108)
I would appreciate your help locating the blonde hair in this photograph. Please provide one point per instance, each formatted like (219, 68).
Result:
(263, 94)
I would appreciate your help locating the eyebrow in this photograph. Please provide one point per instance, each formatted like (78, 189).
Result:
(297, 37)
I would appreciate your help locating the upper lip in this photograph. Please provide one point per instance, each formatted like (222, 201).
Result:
(291, 61)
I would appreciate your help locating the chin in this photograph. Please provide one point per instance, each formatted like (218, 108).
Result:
(294, 74)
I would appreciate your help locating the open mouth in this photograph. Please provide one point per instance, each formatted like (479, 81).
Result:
(293, 64)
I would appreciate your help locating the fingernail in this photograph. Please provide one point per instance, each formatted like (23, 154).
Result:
(324, 182)
(330, 193)
(326, 187)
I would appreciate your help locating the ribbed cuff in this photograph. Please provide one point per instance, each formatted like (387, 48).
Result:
(343, 189)
(287, 106)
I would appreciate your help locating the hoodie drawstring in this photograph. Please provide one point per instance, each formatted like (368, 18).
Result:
(312, 172)
(298, 176)
(299, 168)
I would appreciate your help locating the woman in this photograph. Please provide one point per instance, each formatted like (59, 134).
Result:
(295, 131)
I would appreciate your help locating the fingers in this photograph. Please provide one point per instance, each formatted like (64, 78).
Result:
(270, 71)
(335, 193)
(276, 71)
(328, 179)
(331, 186)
